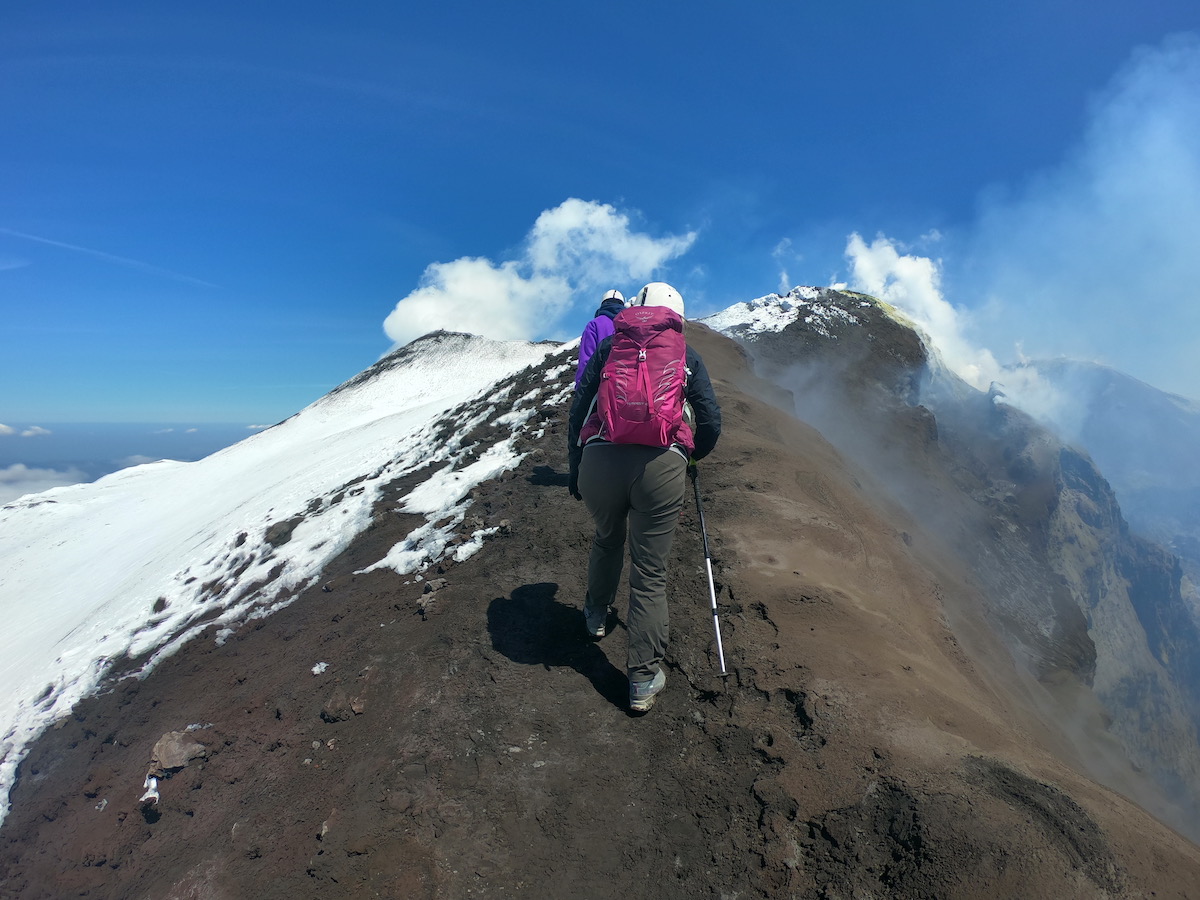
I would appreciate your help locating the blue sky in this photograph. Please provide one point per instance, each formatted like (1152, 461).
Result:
(208, 215)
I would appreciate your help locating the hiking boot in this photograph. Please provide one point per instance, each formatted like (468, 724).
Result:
(642, 694)
(596, 621)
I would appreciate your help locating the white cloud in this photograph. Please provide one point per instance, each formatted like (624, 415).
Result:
(477, 296)
(7, 429)
(572, 251)
(1097, 257)
(11, 262)
(35, 431)
(18, 480)
(591, 244)
(137, 460)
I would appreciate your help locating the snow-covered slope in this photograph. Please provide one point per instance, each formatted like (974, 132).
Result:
(130, 566)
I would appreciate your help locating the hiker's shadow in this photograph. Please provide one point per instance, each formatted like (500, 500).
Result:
(544, 476)
(532, 627)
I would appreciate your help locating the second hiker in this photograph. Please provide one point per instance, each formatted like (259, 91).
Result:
(600, 327)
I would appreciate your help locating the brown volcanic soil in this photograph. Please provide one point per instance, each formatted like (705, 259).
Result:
(469, 742)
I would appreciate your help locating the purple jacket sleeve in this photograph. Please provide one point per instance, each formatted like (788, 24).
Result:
(587, 346)
(593, 333)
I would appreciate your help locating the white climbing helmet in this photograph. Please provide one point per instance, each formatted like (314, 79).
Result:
(659, 293)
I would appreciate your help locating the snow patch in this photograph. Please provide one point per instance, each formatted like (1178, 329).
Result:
(151, 786)
(773, 312)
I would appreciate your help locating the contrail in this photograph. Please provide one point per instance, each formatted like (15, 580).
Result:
(111, 257)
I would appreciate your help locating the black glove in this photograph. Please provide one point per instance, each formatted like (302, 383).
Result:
(573, 484)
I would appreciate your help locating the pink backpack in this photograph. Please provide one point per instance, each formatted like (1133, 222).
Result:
(640, 397)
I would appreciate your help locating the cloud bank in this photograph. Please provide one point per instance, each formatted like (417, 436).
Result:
(18, 480)
(30, 431)
(1098, 257)
(572, 252)
(137, 459)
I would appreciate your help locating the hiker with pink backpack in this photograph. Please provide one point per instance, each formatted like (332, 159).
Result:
(644, 406)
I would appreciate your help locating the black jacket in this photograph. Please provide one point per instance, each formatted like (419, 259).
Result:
(698, 392)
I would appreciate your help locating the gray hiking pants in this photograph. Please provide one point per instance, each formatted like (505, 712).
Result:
(637, 490)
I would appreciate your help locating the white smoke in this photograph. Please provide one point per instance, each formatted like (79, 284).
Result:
(1095, 259)
(782, 253)
(1098, 257)
(912, 285)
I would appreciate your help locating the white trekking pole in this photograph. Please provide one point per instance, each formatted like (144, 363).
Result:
(712, 589)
